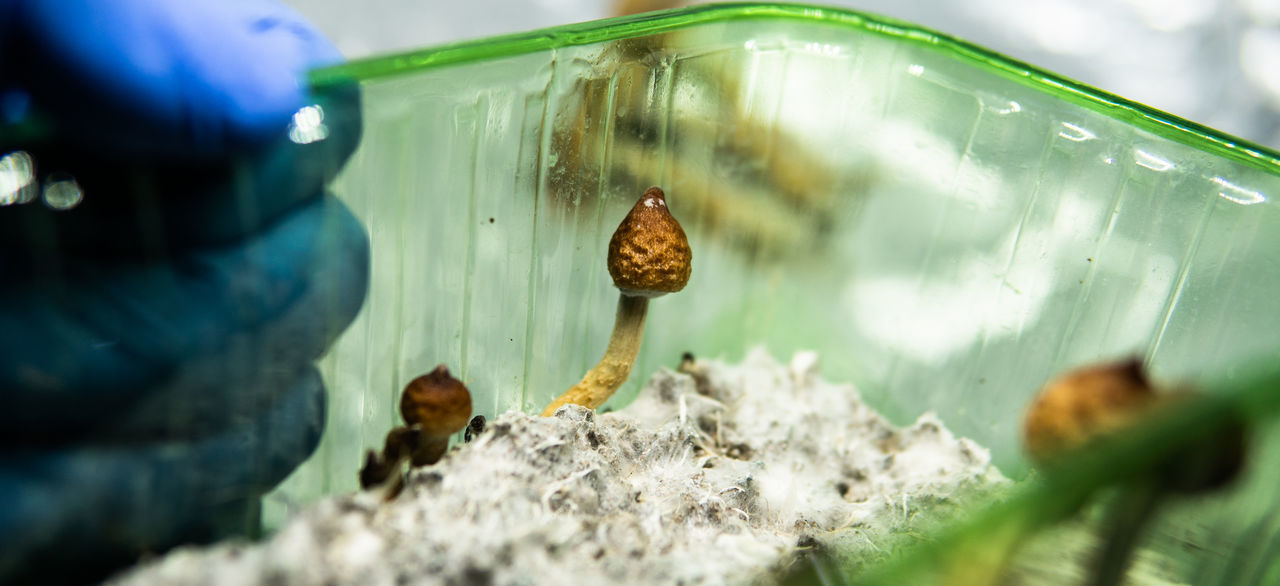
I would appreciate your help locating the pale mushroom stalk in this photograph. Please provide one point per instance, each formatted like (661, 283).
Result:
(648, 256)
(613, 369)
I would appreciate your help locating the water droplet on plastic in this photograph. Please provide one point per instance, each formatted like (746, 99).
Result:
(17, 178)
(61, 192)
(308, 125)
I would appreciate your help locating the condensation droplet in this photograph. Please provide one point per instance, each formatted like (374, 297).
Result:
(17, 178)
(308, 125)
(61, 192)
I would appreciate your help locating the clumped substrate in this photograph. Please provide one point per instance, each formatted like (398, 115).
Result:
(721, 475)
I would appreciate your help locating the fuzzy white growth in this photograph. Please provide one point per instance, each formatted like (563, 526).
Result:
(678, 487)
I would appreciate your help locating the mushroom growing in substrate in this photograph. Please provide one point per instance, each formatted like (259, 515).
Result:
(1084, 408)
(434, 406)
(649, 256)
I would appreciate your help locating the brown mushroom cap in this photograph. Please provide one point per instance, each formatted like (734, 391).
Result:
(437, 402)
(1089, 403)
(1082, 405)
(649, 254)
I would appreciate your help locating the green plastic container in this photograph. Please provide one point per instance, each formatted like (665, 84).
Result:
(946, 226)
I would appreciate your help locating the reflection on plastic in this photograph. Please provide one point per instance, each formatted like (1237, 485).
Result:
(308, 125)
(825, 49)
(935, 318)
(1237, 194)
(1011, 107)
(1076, 134)
(17, 178)
(61, 192)
(1150, 161)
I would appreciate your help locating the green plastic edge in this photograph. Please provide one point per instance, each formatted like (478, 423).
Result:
(1141, 116)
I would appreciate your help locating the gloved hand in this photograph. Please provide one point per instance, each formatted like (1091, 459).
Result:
(158, 331)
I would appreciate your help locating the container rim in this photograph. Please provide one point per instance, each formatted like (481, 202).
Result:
(1139, 115)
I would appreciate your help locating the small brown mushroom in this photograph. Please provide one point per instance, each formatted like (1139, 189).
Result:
(440, 406)
(649, 256)
(689, 365)
(1083, 406)
(397, 448)
(435, 406)
(1081, 409)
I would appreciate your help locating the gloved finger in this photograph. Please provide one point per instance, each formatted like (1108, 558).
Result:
(138, 207)
(162, 79)
(100, 336)
(99, 504)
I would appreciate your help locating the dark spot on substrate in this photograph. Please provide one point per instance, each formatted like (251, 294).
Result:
(707, 424)
(593, 439)
(842, 488)
(667, 390)
(888, 441)
(702, 385)
(476, 576)
(350, 506)
(806, 542)
(474, 428)
(490, 220)
(501, 429)
(505, 556)
(739, 451)
(430, 479)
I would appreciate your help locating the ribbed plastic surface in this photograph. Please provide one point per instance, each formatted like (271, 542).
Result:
(946, 228)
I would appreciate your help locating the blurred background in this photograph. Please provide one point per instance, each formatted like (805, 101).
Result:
(1211, 61)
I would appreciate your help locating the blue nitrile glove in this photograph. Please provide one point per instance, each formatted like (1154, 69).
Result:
(158, 339)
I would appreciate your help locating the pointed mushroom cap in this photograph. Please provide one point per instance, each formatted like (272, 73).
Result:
(437, 402)
(649, 254)
(1083, 405)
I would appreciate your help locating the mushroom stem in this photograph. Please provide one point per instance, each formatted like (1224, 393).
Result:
(613, 369)
(1126, 519)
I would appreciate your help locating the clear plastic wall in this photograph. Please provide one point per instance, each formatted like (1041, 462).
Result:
(946, 227)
